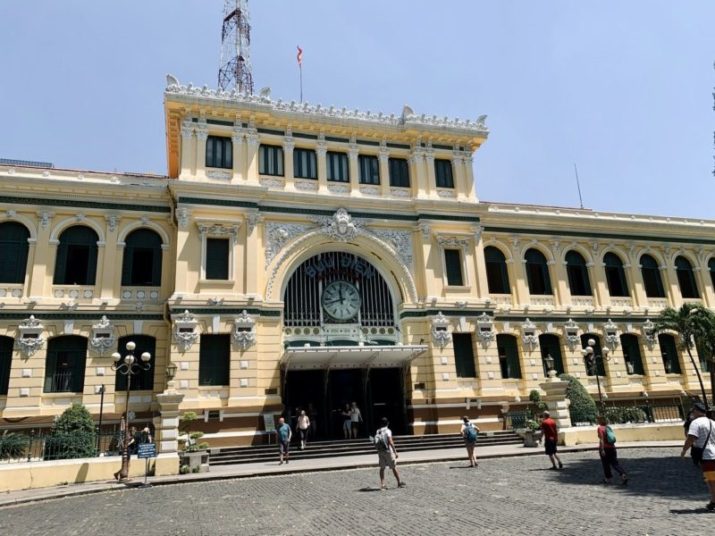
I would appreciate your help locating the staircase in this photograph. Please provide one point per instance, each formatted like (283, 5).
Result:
(351, 447)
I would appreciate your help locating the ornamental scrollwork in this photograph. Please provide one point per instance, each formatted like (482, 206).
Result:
(278, 234)
(611, 336)
(485, 329)
(244, 330)
(185, 331)
(649, 333)
(440, 332)
(529, 337)
(400, 241)
(103, 337)
(340, 226)
(30, 339)
(571, 334)
(219, 229)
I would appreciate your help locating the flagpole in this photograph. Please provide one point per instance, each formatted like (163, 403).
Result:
(300, 67)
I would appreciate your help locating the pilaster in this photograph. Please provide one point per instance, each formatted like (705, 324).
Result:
(239, 142)
(252, 144)
(321, 154)
(353, 152)
(417, 173)
(202, 134)
(383, 157)
(288, 168)
(188, 149)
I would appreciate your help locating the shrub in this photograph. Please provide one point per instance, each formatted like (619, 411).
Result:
(72, 435)
(537, 407)
(12, 445)
(620, 415)
(582, 408)
(190, 444)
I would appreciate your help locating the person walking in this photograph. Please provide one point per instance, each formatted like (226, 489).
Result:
(470, 432)
(551, 439)
(701, 438)
(608, 453)
(386, 453)
(355, 419)
(283, 435)
(303, 425)
(346, 421)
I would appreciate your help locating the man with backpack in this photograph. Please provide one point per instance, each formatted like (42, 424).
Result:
(607, 452)
(701, 438)
(470, 432)
(386, 453)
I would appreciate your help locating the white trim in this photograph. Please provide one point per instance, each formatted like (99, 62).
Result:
(454, 421)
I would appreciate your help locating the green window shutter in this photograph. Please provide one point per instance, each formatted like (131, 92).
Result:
(217, 258)
(214, 359)
(6, 344)
(13, 252)
(338, 168)
(219, 152)
(537, 273)
(399, 172)
(464, 355)
(508, 352)
(686, 278)
(304, 164)
(369, 169)
(453, 265)
(443, 173)
(652, 281)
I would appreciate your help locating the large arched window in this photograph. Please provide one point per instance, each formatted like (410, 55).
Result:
(579, 283)
(597, 365)
(497, 275)
(711, 265)
(615, 275)
(651, 277)
(632, 354)
(537, 272)
(508, 356)
(144, 379)
(141, 266)
(669, 353)
(64, 367)
(13, 252)
(76, 262)
(686, 278)
(551, 346)
(6, 344)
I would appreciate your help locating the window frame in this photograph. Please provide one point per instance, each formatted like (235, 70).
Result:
(15, 248)
(129, 260)
(205, 353)
(460, 264)
(509, 362)
(67, 249)
(222, 159)
(632, 341)
(399, 172)
(447, 179)
(144, 343)
(545, 347)
(611, 271)
(277, 161)
(686, 278)
(462, 364)
(675, 359)
(52, 358)
(311, 163)
(6, 347)
(334, 160)
(577, 275)
(205, 265)
(652, 280)
(368, 163)
(544, 276)
(502, 273)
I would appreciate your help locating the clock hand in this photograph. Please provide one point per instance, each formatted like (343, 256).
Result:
(332, 301)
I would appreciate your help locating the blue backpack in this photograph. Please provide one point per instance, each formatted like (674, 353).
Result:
(470, 432)
(610, 436)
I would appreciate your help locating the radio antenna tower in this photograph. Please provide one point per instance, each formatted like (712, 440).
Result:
(235, 71)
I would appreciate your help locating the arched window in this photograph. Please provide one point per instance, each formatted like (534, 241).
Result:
(141, 266)
(669, 353)
(711, 265)
(537, 272)
(508, 356)
(597, 364)
(551, 345)
(64, 367)
(6, 344)
(615, 276)
(144, 379)
(13, 252)
(632, 354)
(76, 257)
(651, 277)
(497, 275)
(577, 271)
(686, 278)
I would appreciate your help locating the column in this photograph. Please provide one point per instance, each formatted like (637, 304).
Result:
(562, 294)
(520, 287)
(705, 287)
(166, 426)
(671, 284)
(202, 134)
(111, 255)
(321, 153)
(471, 187)
(555, 400)
(431, 180)
(239, 140)
(188, 151)
(603, 298)
(384, 157)
(288, 170)
(353, 152)
(43, 259)
(252, 144)
(638, 292)
(460, 186)
(480, 264)
(418, 178)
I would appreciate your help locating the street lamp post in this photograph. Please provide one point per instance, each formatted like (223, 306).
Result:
(549, 361)
(128, 366)
(590, 354)
(101, 411)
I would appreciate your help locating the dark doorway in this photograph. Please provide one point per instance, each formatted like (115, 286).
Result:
(305, 389)
(388, 400)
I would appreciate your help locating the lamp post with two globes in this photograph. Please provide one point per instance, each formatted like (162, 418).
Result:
(590, 354)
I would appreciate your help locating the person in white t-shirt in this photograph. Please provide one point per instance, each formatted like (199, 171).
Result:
(701, 435)
(386, 453)
(355, 419)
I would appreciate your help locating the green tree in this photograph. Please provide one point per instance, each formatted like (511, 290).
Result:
(12, 445)
(583, 407)
(693, 324)
(72, 435)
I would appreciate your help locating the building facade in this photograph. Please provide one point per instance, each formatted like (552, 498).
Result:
(301, 256)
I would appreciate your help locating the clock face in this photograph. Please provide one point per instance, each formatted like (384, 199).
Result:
(341, 300)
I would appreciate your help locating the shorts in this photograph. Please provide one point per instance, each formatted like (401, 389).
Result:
(386, 458)
(550, 446)
(347, 425)
(708, 467)
(283, 446)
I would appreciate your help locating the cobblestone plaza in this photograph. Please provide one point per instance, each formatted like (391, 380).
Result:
(515, 496)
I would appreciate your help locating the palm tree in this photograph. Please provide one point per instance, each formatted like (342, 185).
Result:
(692, 323)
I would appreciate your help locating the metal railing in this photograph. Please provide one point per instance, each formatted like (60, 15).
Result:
(515, 420)
(40, 445)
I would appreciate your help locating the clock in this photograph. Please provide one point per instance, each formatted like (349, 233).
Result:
(341, 300)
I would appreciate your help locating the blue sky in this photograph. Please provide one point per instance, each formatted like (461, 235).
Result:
(622, 89)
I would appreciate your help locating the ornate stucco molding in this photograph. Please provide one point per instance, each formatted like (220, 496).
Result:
(103, 337)
(440, 332)
(340, 226)
(219, 229)
(244, 330)
(30, 339)
(485, 329)
(186, 331)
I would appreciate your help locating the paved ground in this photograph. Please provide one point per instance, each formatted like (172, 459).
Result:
(515, 496)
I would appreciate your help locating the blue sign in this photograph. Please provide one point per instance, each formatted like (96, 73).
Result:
(146, 450)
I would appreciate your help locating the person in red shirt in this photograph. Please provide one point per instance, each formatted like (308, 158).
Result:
(609, 455)
(551, 438)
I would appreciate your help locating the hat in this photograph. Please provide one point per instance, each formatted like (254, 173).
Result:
(700, 407)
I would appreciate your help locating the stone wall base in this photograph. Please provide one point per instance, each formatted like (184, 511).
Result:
(577, 435)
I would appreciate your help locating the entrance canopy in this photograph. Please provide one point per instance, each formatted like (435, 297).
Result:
(347, 357)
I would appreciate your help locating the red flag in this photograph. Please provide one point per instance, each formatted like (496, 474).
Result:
(300, 55)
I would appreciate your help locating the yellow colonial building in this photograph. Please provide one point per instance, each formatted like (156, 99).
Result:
(300, 256)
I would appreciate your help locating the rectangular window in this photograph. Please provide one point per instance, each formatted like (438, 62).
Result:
(143, 267)
(464, 355)
(508, 352)
(270, 160)
(214, 359)
(399, 172)
(453, 267)
(338, 169)
(443, 173)
(304, 164)
(219, 152)
(369, 169)
(217, 251)
(669, 354)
